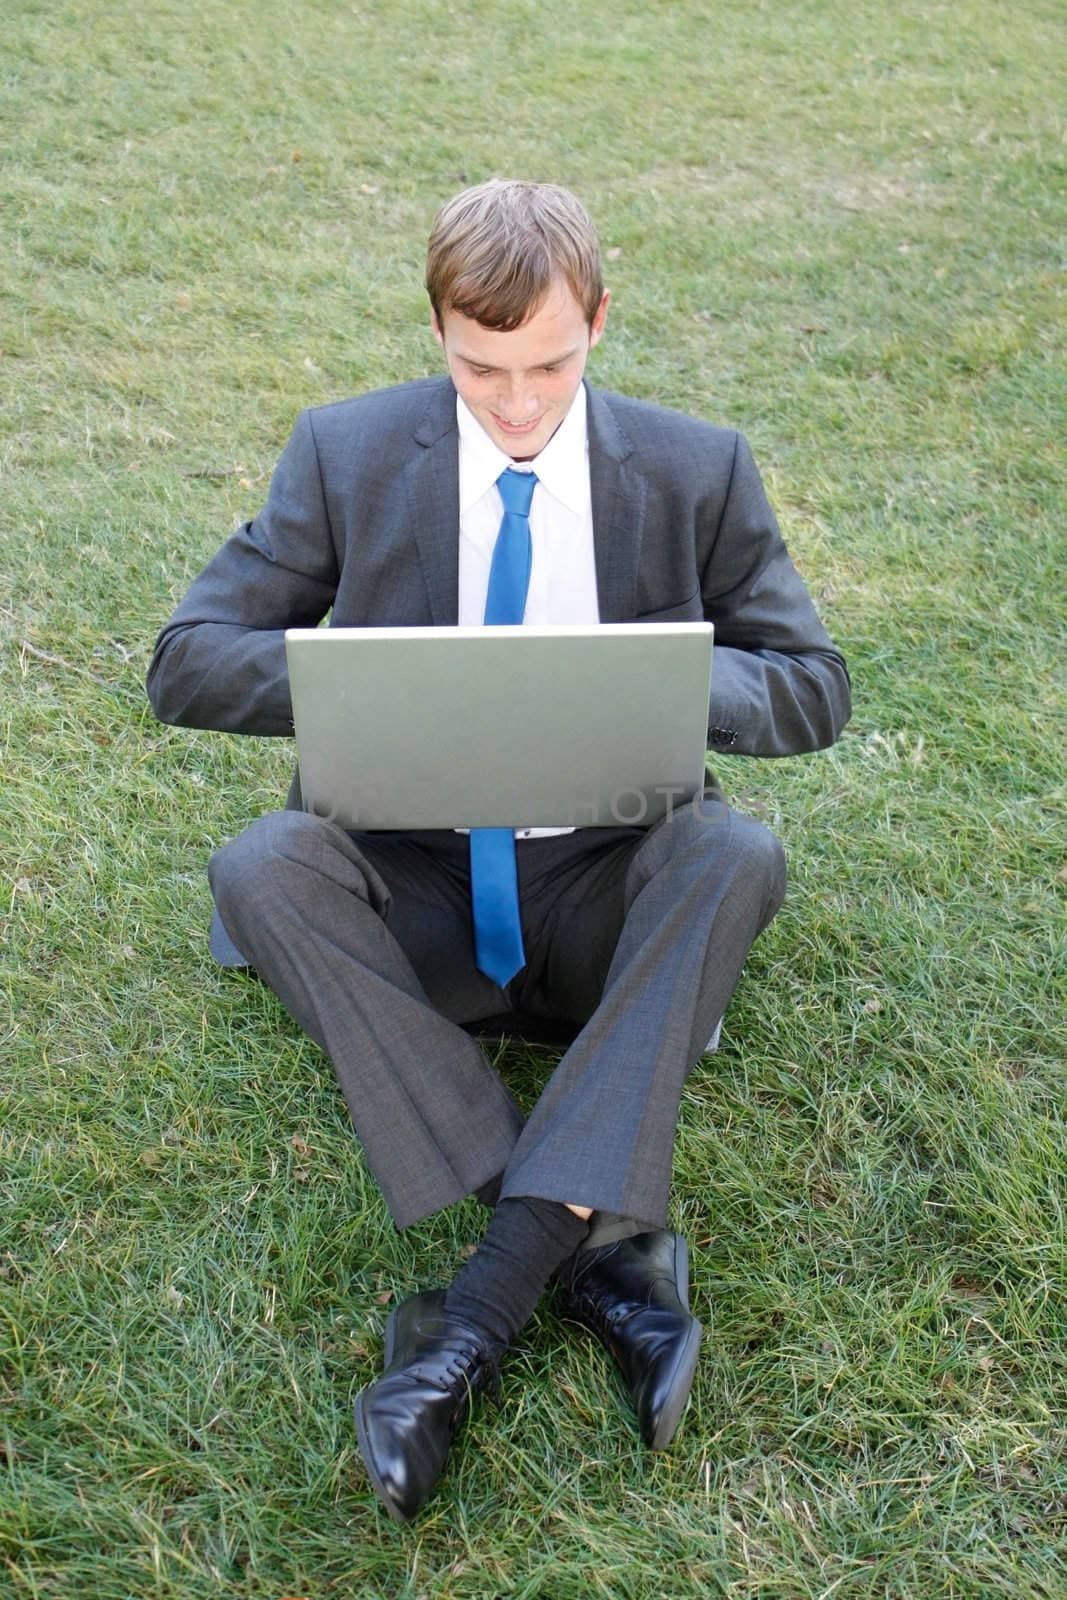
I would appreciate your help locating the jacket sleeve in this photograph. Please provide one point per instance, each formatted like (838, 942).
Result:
(778, 685)
(220, 660)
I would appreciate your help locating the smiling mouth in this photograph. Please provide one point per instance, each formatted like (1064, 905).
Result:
(516, 427)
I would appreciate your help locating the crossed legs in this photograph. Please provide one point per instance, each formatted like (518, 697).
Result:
(637, 936)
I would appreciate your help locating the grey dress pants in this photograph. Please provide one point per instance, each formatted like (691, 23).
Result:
(636, 935)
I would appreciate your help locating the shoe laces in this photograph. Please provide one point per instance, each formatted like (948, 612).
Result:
(590, 1301)
(606, 1317)
(471, 1367)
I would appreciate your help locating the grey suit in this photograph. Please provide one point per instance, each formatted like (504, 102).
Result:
(637, 935)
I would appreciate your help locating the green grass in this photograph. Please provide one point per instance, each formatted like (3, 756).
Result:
(839, 228)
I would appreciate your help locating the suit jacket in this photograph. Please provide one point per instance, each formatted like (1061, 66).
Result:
(363, 517)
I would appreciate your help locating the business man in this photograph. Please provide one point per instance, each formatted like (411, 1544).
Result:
(510, 492)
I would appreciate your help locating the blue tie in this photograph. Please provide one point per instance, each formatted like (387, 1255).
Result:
(498, 948)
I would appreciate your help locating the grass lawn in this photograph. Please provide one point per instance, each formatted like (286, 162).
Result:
(839, 228)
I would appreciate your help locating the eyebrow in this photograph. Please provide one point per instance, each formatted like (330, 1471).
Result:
(488, 366)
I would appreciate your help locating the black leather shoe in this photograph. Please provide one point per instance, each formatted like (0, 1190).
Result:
(634, 1296)
(406, 1421)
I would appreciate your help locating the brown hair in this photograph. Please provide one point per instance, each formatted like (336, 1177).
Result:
(496, 249)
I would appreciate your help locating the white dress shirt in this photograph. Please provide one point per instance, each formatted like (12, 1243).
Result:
(563, 570)
(563, 566)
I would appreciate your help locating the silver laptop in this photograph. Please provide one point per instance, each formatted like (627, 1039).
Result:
(519, 727)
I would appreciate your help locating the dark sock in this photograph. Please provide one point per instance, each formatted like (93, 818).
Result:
(489, 1193)
(608, 1227)
(498, 1288)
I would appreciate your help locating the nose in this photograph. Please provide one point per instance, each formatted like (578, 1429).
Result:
(519, 400)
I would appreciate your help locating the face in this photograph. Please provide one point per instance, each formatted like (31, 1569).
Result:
(520, 384)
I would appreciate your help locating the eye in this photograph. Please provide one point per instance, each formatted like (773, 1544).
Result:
(483, 372)
(549, 371)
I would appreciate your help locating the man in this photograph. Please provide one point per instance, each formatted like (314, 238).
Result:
(509, 491)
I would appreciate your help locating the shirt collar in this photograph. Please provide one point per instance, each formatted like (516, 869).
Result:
(562, 466)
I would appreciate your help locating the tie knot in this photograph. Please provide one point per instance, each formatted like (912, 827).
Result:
(516, 490)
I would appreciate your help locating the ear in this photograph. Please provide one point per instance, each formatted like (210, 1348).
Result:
(600, 316)
(435, 325)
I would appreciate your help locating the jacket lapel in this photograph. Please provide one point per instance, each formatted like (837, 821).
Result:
(433, 500)
(618, 495)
